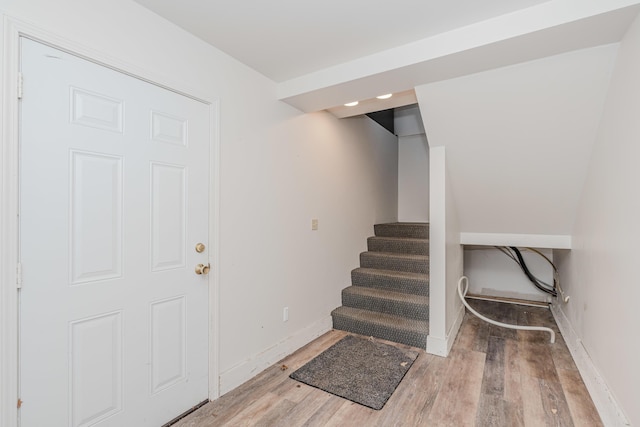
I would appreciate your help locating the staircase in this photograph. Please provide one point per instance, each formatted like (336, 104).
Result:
(389, 296)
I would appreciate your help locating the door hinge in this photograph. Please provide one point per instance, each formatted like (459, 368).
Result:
(20, 85)
(19, 275)
(19, 403)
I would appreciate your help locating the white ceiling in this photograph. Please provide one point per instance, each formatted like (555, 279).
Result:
(284, 39)
(324, 54)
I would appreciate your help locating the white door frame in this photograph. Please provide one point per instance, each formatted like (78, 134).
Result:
(9, 201)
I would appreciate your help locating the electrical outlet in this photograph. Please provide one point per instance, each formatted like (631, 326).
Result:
(285, 314)
(314, 224)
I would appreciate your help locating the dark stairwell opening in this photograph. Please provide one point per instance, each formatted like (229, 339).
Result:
(385, 118)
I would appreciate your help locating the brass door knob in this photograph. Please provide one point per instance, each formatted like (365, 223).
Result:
(203, 269)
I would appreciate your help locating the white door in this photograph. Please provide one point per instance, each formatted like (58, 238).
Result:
(114, 184)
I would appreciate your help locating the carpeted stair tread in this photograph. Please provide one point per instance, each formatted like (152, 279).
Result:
(385, 301)
(405, 245)
(381, 325)
(395, 261)
(417, 230)
(397, 281)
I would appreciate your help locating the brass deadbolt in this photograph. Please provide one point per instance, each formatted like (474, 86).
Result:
(200, 247)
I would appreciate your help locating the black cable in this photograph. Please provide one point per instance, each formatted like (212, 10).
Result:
(537, 279)
(531, 277)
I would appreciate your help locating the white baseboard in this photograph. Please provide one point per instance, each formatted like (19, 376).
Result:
(442, 346)
(249, 368)
(603, 399)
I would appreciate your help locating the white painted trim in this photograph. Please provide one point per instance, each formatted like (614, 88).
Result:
(19, 28)
(437, 346)
(608, 409)
(436, 340)
(9, 196)
(442, 346)
(553, 241)
(249, 368)
(214, 253)
(9, 230)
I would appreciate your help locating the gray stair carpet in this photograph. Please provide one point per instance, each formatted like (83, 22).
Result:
(417, 230)
(394, 261)
(403, 245)
(389, 293)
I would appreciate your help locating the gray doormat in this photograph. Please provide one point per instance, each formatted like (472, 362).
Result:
(358, 369)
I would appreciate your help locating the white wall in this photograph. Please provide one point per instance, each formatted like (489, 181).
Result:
(342, 172)
(407, 121)
(600, 273)
(413, 165)
(454, 261)
(445, 258)
(519, 138)
(279, 169)
(413, 178)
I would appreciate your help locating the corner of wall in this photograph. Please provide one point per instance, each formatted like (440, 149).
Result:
(445, 259)
(442, 346)
(599, 273)
(608, 409)
(257, 363)
(437, 253)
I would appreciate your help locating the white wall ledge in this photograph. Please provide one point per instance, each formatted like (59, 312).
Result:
(551, 241)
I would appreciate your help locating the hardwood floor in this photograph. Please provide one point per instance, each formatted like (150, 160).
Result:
(493, 377)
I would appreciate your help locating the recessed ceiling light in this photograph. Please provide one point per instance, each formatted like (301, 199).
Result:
(351, 104)
(387, 96)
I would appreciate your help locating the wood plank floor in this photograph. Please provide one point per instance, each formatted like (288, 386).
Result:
(493, 377)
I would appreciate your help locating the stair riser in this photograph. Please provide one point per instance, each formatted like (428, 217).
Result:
(355, 326)
(404, 285)
(404, 247)
(418, 231)
(371, 260)
(398, 308)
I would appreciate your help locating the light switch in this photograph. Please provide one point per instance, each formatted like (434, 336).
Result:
(314, 224)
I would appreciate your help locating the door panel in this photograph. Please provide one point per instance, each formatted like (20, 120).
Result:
(168, 226)
(95, 216)
(95, 359)
(114, 185)
(168, 343)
